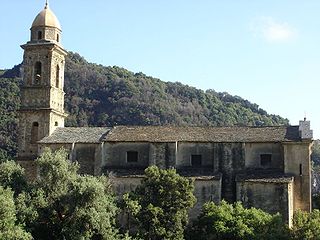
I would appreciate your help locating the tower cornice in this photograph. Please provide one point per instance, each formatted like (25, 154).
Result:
(48, 44)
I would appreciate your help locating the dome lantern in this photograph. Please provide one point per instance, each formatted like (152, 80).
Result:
(46, 26)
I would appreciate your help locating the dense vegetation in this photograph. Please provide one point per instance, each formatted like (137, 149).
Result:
(9, 104)
(159, 206)
(98, 95)
(107, 96)
(61, 204)
(227, 221)
(315, 157)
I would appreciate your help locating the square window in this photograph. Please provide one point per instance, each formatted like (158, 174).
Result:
(196, 160)
(132, 156)
(265, 160)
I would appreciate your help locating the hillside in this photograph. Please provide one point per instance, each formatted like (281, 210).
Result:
(98, 95)
(105, 96)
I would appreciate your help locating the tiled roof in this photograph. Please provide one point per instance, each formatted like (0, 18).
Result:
(203, 134)
(265, 178)
(77, 134)
(173, 134)
(198, 174)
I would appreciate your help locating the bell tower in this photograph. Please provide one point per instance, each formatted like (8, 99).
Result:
(42, 95)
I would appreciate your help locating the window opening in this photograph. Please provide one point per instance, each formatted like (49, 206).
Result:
(57, 76)
(58, 38)
(37, 73)
(196, 160)
(132, 156)
(300, 169)
(39, 35)
(265, 160)
(35, 132)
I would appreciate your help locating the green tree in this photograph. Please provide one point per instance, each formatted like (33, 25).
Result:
(9, 227)
(234, 222)
(12, 175)
(68, 205)
(9, 104)
(315, 156)
(306, 225)
(161, 203)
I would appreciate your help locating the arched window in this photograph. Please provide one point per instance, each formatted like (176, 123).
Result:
(57, 76)
(39, 35)
(35, 132)
(37, 73)
(58, 38)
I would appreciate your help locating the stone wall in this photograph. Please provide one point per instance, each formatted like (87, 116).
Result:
(297, 162)
(230, 160)
(186, 149)
(205, 190)
(115, 155)
(162, 155)
(253, 152)
(88, 155)
(272, 197)
(27, 140)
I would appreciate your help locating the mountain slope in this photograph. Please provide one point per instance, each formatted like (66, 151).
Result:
(98, 95)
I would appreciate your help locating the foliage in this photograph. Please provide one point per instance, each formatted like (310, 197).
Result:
(316, 201)
(12, 176)
(227, 221)
(9, 228)
(9, 104)
(70, 206)
(111, 96)
(161, 203)
(315, 156)
(306, 225)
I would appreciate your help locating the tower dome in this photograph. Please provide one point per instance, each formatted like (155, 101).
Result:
(46, 27)
(46, 18)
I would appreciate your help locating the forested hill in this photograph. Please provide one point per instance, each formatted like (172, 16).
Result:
(98, 95)
(108, 96)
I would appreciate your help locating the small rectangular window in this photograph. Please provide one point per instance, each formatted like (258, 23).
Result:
(196, 160)
(265, 160)
(132, 156)
(300, 169)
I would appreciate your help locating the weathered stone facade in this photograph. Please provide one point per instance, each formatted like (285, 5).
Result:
(265, 167)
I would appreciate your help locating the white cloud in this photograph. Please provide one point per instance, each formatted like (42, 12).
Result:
(273, 31)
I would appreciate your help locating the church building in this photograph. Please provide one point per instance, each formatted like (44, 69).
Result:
(263, 167)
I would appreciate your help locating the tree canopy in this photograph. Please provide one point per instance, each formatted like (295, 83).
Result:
(306, 225)
(160, 205)
(68, 205)
(60, 204)
(234, 222)
(10, 229)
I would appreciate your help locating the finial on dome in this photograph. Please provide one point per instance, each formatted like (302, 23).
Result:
(47, 4)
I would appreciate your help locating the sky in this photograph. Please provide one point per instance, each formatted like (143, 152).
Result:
(265, 51)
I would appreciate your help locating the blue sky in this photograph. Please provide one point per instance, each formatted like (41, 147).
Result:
(265, 51)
